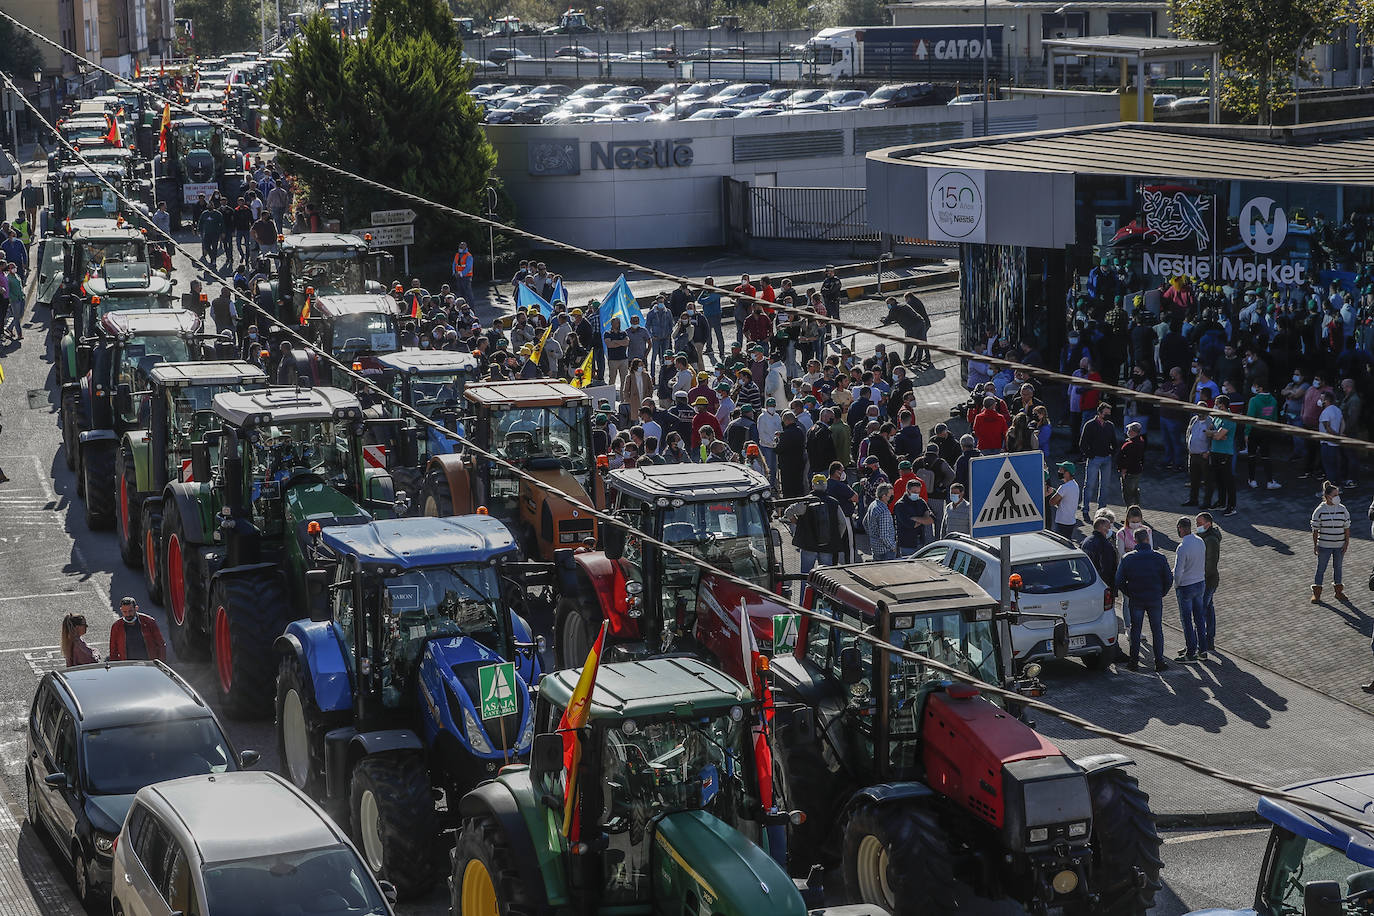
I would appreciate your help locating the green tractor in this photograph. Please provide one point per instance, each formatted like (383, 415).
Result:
(93, 247)
(326, 264)
(668, 808)
(236, 537)
(199, 160)
(121, 288)
(78, 192)
(106, 398)
(180, 411)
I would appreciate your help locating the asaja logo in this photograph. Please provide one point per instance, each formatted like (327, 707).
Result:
(956, 204)
(1263, 225)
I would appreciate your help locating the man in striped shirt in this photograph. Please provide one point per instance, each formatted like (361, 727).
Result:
(1330, 538)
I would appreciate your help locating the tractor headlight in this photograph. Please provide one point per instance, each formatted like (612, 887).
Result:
(567, 537)
(1078, 829)
(527, 733)
(1039, 834)
(476, 737)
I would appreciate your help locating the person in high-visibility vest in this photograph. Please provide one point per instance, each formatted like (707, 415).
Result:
(463, 263)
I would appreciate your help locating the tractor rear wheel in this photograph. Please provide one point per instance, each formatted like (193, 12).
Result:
(98, 476)
(128, 514)
(435, 499)
(247, 614)
(70, 405)
(183, 588)
(485, 879)
(897, 856)
(150, 523)
(1126, 860)
(301, 727)
(576, 622)
(393, 820)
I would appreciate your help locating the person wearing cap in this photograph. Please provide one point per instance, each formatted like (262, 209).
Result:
(704, 389)
(135, 635)
(1063, 500)
(769, 425)
(818, 527)
(906, 476)
(725, 409)
(704, 418)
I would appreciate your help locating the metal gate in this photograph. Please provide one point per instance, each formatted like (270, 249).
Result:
(809, 214)
(736, 204)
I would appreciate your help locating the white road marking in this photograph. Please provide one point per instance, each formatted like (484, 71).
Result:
(1214, 834)
(45, 595)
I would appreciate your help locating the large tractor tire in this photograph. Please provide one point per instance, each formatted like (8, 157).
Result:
(897, 856)
(98, 477)
(183, 589)
(576, 622)
(71, 403)
(485, 880)
(129, 515)
(1126, 843)
(435, 499)
(247, 614)
(394, 825)
(301, 727)
(150, 523)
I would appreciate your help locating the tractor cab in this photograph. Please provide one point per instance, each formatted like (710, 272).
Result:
(121, 357)
(432, 382)
(115, 290)
(80, 192)
(658, 602)
(84, 129)
(571, 22)
(354, 329)
(328, 263)
(116, 253)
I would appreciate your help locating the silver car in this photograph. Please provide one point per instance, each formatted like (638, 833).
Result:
(234, 843)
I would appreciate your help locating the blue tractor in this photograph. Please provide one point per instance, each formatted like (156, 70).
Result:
(1315, 865)
(396, 692)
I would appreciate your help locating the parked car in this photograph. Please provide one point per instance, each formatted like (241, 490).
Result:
(1191, 103)
(1057, 578)
(703, 89)
(678, 111)
(760, 112)
(1164, 100)
(508, 92)
(501, 55)
(550, 91)
(501, 114)
(773, 98)
(10, 174)
(713, 114)
(802, 97)
(836, 100)
(97, 735)
(626, 111)
(572, 107)
(483, 90)
(239, 843)
(591, 91)
(967, 98)
(665, 92)
(624, 94)
(737, 94)
(581, 51)
(901, 95)
(531, 112)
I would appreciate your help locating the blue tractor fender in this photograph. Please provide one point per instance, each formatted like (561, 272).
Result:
(320, 654)
(493, 799)
(441, 683)
(526, 662)
(1099, 762)
(345, 746)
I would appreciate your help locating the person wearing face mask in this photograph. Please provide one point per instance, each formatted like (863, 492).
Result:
(1330, 539)
(1064, 499)
(770, 428)
(958, 514)
(1262, 406)
(1210, 532)
(135, 635)
(1331, 421)
(913, 518)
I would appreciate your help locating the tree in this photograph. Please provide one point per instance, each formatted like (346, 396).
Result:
(393, 108)
(18, 54)
(221, 25)
(431, 17)
(1261, 43)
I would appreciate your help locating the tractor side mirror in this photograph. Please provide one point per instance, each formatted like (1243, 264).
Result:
(248, 759)
(200, 461)
(851, 666)
(83, 359)
(546, 755)
(1322, 898)
(317, 591)
(613, 541)
(59, 781)
(1061, 638)
(124, 400)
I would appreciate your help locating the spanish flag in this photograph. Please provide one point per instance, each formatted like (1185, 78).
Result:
(305, 310)
(583, 375)
(112, 135)
(574, 719)
(166, 126)
(138, 69)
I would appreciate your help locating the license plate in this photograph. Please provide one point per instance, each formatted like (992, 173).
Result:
(1077, 642)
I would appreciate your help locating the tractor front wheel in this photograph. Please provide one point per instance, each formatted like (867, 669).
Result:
(128, 514)
(247, 614)
(1126, 843)
(486, 881)
(98, 477)
(183, 588)
(576, 622)
(301, 727)
(435, 499)
(394, 822)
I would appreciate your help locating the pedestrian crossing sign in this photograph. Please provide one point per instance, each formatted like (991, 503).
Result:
(1007, 493)
(496, 683)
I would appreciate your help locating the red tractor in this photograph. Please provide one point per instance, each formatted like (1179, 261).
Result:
(931, 797)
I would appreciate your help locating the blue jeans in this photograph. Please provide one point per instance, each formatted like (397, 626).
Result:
(662, 347)
(1095, 483)
(1174, 452)
(812, 558)
(770, 458)
(1333, 555)
(1192, 615)
(716, 329)
(1332, 466)
(1156, 611)
(1209, 617)
(880, 555)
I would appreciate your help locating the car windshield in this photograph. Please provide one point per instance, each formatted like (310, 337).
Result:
(1062, 574)
(1299, 861)
(142, 352)
(323, 882)
(374, 332)
(729, 533)
(560, 432)
(120, 761)
(283, 449)
(331, 273)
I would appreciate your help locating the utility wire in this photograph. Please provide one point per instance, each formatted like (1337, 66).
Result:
(1158, 400)
(952, 673)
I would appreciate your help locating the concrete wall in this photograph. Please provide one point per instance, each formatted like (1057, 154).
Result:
(557, 177)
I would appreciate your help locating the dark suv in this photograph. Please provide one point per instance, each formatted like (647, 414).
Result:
(901, 95)
(98, 734)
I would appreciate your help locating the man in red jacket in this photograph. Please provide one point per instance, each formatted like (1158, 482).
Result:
(135, 635)
(990, 428)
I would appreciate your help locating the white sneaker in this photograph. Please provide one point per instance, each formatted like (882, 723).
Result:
(1253, 485)
(1273, 485)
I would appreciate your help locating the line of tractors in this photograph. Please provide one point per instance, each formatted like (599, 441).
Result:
(388, 595)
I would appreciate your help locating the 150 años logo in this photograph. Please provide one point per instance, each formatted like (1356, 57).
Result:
(956, 205)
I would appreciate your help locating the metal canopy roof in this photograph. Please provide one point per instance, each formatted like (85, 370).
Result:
(1141, 150)
(1133, 47)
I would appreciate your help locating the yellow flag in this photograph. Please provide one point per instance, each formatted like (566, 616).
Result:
(2, 373)
(583, 376)
(538, 351)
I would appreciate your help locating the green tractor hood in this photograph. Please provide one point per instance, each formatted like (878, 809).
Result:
(699, 855)
(319, 502)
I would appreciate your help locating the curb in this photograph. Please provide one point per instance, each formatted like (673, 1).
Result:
(1178, 819)
(915, 281)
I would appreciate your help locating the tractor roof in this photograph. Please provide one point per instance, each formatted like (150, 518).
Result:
(286, 405)
(210, 372)
(910, 586)
(190, 122)
(422, 361)
(353, 304)
(128, 283)
(83, 121)
(104, 230)
(150, 321)
(525, 393)
(418, 542)
(307, 241)
(105, 169)
(649, 687)
(1354, 793)
(101, 154)
(689, 482)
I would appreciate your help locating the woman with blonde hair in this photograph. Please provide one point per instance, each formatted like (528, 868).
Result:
(74, 649)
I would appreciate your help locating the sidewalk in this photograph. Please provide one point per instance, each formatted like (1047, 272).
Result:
(31, 883)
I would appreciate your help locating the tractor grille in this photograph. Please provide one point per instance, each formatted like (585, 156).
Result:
(503, 733)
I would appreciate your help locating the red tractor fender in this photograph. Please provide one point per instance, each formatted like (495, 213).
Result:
(606, 580)
(452, 470)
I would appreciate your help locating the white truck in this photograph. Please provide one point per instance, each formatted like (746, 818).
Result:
(928, 53)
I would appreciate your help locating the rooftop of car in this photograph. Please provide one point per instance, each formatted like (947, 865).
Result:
(149, 321)
(525, 393)
(900, 585)
(689, 482)
(211, 372)
(128, 693)
(284, 405)
(353, 304)
(422, 361)
(648, 687)
(410, 543)
(1029, 545)
(226, 815)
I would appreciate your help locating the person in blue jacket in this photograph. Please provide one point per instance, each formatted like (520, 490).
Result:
(1144, 578)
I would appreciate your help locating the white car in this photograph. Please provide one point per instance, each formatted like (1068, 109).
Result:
(244, 842)
(626, 111)
(713, 114)
(1057, 579)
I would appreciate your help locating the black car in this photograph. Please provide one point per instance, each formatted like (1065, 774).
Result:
(902, 95)
(98, 734)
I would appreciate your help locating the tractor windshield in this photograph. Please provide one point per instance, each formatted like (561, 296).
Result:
(137, 357)
(561, 433)
(124, 251)
(1297, 861)
(731, 534)
(440, 602)
(363, 332)
(282, 450)
(88, 198)
(331, 272)
(969, 646)
(193, 415)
